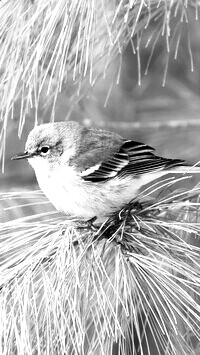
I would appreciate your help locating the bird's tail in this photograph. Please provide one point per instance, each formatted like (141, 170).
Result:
(181, 167)
(173, 166)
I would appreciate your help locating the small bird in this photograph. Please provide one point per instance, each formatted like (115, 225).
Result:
(88, 172)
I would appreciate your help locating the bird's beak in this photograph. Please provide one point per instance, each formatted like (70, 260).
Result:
(24, 155)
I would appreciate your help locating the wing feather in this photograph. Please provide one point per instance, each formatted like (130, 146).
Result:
(132, 158)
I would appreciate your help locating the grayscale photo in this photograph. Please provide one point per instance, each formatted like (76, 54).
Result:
(99, 177)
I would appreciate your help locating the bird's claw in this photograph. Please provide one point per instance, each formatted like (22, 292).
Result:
(129, 208)
(88, 224)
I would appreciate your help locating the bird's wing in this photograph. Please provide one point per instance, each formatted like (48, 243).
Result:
(130, 158)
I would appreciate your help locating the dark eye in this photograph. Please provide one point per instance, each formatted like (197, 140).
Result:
(44, 150)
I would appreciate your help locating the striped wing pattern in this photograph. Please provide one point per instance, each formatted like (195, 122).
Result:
(133, 158)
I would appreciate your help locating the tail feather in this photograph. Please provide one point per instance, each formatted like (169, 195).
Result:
(172, 163)
(181, 166)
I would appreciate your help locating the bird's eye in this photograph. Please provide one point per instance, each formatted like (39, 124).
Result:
(44, 150)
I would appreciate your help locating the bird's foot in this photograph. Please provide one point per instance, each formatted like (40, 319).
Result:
(130, 208)
(137, 206)
(88, 224)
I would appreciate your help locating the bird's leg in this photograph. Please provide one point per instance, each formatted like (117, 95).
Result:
(90, 223)
(138, 206)
(87, 224)
(130, 208)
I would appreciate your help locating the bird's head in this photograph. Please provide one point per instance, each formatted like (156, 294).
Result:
(50, 144)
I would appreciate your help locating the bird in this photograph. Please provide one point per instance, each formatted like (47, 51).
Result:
(90, 172)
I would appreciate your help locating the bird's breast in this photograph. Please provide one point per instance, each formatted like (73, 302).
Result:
(67, 191)
(71, 194)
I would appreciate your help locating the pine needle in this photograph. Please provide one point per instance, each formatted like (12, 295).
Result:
(134, 280)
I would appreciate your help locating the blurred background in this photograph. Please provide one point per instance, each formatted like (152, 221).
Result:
(153, 98)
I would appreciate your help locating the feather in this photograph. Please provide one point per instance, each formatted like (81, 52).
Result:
(131, 158)
(90, 170)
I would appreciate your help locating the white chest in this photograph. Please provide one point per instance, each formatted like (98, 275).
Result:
(63, 187)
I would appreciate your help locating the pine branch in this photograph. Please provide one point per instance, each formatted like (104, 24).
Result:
(79, 291)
